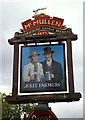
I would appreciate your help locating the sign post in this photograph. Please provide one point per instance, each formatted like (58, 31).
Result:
(70, 67)
(15, 70)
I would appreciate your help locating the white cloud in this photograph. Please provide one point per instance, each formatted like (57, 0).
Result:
(70, 108)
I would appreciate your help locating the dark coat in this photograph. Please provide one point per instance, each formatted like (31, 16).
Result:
(56, 70)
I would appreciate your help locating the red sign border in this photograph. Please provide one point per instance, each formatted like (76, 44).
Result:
(49, 112)
(54, 22)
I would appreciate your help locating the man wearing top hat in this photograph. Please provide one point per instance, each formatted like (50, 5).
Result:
(51, 66)
(32, 68)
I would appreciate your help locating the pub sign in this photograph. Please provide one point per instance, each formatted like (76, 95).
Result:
(43, 68)
(42, 61)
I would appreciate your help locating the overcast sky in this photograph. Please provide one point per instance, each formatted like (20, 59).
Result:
(13, 13)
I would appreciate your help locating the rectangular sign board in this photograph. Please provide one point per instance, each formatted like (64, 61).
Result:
(43, 68)
(54, 22)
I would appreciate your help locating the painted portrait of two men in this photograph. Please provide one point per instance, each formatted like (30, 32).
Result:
(43, 69)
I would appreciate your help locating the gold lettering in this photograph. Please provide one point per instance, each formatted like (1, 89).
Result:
(29, 25)
(49, 117)
(34, 116)
(26, 26)
(45, 21)
(41, 118)
(59, 24)
(52, 22)
(40, 33)
(40, 22)
(36, 22)
(48, 22)
(56, 23)
(38, 119)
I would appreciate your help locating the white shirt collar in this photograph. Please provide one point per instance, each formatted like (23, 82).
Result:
(49, 62)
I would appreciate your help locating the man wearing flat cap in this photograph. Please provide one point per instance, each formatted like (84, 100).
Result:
(32, 68)
(51, 66)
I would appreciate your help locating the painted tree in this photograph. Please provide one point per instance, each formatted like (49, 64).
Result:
(14, 111)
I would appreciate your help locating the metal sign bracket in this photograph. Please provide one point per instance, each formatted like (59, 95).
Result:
(41, 108)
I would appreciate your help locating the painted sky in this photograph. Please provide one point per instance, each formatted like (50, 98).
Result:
(13, 13)
(57, 55)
